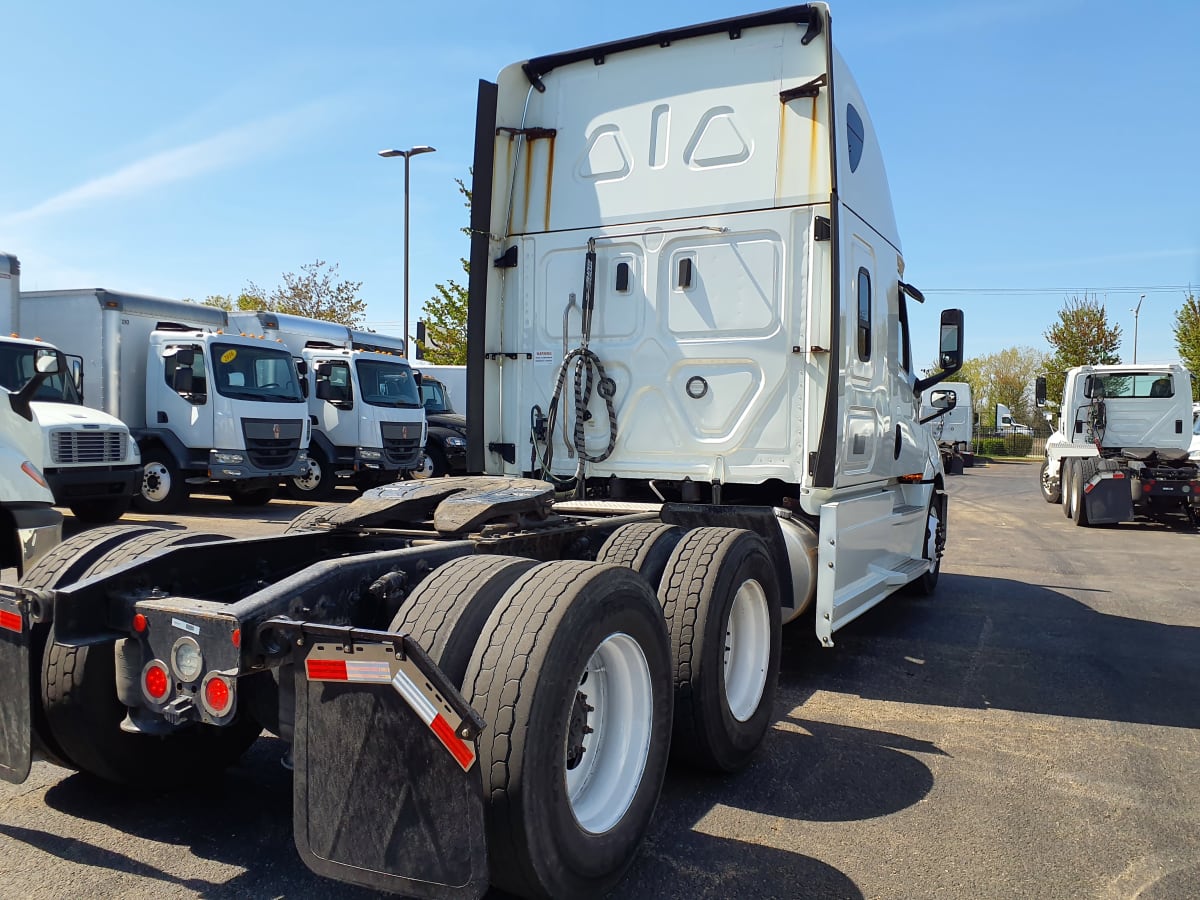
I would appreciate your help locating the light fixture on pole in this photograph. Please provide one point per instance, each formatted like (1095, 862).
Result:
(1136, 310)
(388, 154)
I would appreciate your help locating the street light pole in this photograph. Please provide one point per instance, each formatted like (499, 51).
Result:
(1135, 312)
(407, 154)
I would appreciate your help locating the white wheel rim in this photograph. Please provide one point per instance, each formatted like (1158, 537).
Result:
(424, 470)
(156, 482)
(604, 780)
(931, 530)
(747, 650)
(311, 477)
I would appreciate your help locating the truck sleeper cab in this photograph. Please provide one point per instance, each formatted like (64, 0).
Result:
(687, 237)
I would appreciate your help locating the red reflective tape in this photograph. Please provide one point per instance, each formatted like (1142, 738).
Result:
(1118, 475)
(326, 669)
(11, 621)
(459, 749)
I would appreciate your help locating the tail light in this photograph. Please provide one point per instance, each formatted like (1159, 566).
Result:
(217, 695)
(156, 681)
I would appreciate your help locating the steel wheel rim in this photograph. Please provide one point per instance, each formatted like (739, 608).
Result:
(156, 482)
(424, 470)
(311, 478)
(617, 686)
(747, 650)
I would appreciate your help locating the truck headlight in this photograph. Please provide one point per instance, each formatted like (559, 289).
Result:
(229, 459)
(455, 442)
(364, 453)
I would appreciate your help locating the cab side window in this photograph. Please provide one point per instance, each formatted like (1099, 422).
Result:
(187, 378)
(864, 314)
(333, 382)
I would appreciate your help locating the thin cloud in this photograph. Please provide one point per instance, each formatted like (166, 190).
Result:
(235, 146)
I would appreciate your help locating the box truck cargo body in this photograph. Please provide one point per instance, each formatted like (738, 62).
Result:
(206, 406)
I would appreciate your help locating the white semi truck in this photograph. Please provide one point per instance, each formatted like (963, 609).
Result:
(1121, 446)
(368, 422)
(482, 678)
(29, 525)
(953, 430)
(87, 456)
(207, 407)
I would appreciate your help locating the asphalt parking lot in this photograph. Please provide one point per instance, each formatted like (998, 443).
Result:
(1030, 730)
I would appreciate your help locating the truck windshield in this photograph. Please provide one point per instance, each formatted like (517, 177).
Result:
(244, 372)
(16, 369)
(433, 393)
(387, 384)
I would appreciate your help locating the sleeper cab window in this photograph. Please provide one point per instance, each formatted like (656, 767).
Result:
(864, 314)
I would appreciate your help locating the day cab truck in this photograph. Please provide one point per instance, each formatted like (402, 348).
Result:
(208, 408)
(87, 456)
(364, 407)
(953, 430)
(481, 679)
(1121, 447)
(29, 525)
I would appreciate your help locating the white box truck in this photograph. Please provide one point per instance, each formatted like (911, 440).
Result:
(87, 456)
(207, 408)
(1121, 447)
(368, 424)
(482, 678)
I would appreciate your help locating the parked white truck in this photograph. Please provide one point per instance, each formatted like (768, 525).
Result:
(29, 525)
(368, 424)
(953, 430)
(482, 678)
(1121, 447)
(87, 456)
(206, 407)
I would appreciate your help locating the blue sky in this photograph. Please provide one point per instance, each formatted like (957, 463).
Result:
(1035, 150)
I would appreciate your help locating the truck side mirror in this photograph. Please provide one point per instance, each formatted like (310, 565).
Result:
(301, 367)
(304, 386)
(45, 364)
(1039, 391)
(946, 400)
(950, 350)
(183, 381)
(184, 356)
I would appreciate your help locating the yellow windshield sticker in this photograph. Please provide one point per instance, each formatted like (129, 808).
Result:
(228, 356)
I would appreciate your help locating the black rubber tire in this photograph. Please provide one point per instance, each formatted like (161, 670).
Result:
(101, 512)
(252, 496)
(64, 565)
(705, 571)
(85, 715)
(176, 491)
(446, 612)
(311, 519)
(926, 583)
(523, 679)
(1050, 495)
(435, 464)
(320, 491)
(1066, 479)
(644, 547)
(146, 545)
(1080, 476)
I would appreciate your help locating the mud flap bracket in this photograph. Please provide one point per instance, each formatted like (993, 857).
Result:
(19, 608)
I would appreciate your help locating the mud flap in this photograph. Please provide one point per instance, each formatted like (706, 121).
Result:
(16, 728)
(387, 789)
(1108, 501)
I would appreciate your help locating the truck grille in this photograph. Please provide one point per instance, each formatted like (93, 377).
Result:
(401, 443)
(87, 447)
(272, 444)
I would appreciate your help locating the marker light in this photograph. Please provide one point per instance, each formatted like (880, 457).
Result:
(156, 681)
(139, 623)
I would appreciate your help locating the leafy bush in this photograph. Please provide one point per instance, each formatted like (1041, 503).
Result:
(1010, 445)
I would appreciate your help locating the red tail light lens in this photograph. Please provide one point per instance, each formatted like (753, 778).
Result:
(218, 694)
(156, 681)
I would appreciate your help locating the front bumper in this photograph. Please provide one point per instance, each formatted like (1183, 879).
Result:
(235, 465)
(94, 483)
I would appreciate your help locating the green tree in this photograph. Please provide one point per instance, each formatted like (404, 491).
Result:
(243, 302)
(1187, 339)
(1007, 377)
(1082, 336)
(316, 293)
(445, 315)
